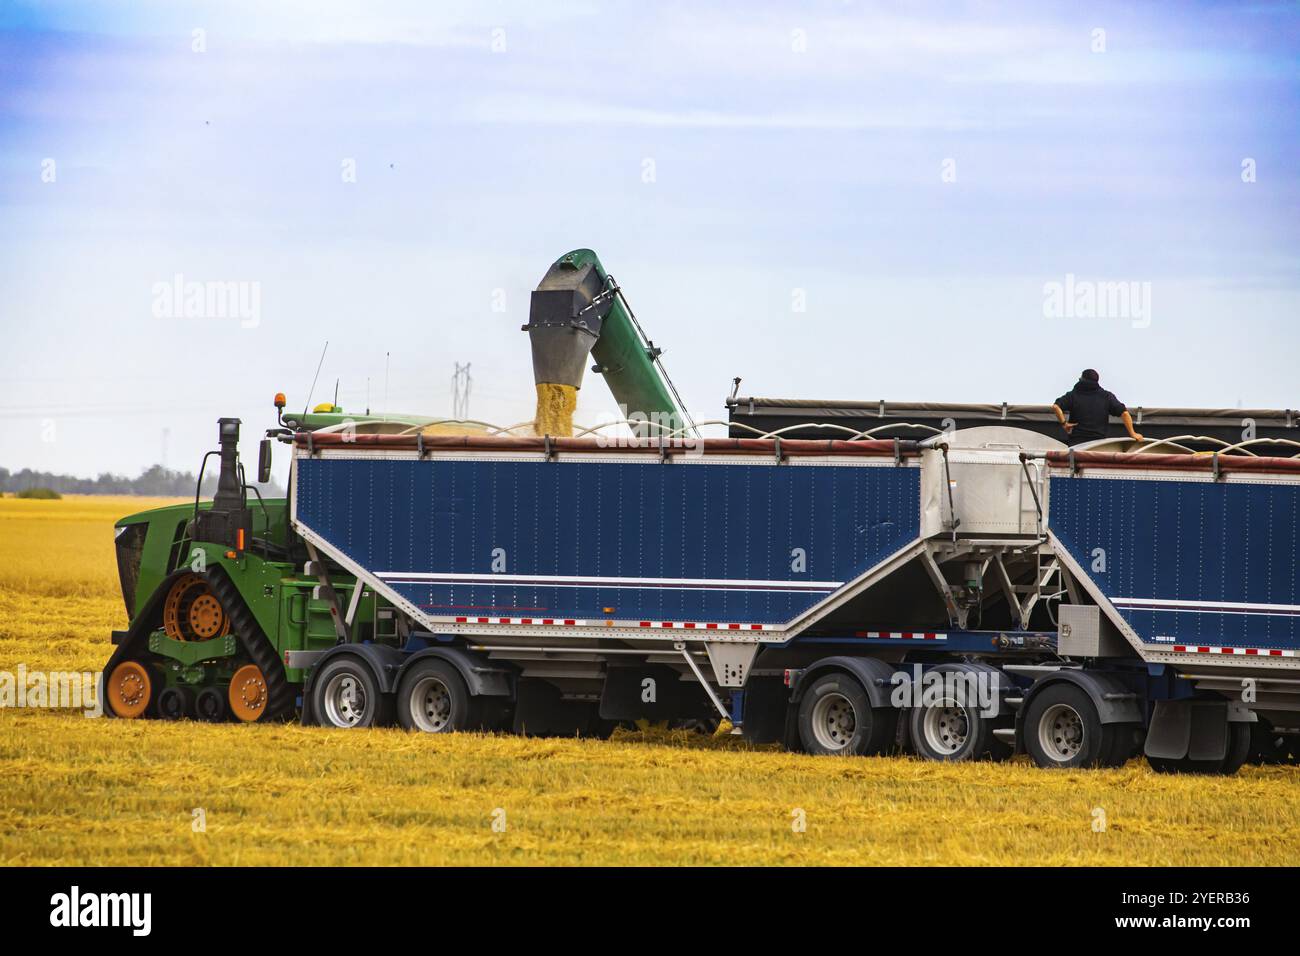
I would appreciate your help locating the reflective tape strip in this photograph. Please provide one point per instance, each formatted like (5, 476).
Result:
(709, 625)
(903, 635)
(1246, 651)
(562, 622)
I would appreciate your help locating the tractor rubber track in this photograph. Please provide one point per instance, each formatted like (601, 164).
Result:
(281, 697)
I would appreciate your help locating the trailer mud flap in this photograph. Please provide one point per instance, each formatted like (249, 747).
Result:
(766, 711)
(1194, 729)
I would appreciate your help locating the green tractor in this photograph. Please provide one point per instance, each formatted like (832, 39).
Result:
(221, 593)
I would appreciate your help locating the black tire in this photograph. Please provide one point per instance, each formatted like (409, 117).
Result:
(1239, 740)
(432, 697)
(1063, 729)
(1270, 747)
(1165, 765)
(345, 693)
(210, 706)
(836, 718)
(947, 732)
(1123, 744)
(600, 727)
(1183, 765)
(493, 714)
(175, 703)
(1266, 746)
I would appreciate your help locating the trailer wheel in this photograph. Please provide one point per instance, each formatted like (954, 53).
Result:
(1239, 740)
(432, 698)
(1124, 744)
(1270, 747)
(1184, 765)
(836, 717)
(1063, 729)
(949, 731)
(346, 694)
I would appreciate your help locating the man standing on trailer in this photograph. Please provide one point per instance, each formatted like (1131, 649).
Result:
(1085, 410)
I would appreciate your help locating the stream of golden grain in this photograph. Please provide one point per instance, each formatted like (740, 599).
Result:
(555, 406)
(84, 791)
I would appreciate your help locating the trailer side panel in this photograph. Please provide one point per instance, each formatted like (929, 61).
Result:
(1208, 566)
(590, 539)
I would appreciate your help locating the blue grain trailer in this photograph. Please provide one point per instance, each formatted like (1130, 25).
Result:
(968, 596)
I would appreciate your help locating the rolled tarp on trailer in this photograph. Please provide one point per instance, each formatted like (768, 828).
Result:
(1199, 558)
(804, 417)
(734, 535)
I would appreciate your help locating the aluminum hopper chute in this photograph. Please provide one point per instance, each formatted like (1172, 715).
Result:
(578, 310)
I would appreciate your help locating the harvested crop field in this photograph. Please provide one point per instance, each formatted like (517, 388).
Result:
(90, 791)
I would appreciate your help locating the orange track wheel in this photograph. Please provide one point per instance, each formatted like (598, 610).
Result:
(248, 694)
(191, 612)
(129, 689)
(207, 617)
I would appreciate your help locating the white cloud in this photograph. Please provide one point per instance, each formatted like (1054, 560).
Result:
(535, 111)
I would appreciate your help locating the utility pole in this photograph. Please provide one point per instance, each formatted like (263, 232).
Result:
(461, 384)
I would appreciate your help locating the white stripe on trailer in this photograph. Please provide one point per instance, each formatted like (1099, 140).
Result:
(581, 581)
(1204, 607)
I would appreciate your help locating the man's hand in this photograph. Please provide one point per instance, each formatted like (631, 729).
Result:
(1136, 437)
(1068, 426)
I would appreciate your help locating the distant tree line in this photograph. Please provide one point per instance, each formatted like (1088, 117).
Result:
(155, 481)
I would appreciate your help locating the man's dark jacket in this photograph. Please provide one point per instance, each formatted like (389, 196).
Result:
(1090, 407)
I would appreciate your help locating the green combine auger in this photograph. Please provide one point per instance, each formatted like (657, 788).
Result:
(578, 309)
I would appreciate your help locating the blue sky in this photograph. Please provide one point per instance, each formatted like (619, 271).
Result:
(793, 147)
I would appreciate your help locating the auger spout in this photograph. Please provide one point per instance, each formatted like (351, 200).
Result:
(577, 310)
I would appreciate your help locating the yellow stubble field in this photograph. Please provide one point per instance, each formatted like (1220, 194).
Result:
(78, 790)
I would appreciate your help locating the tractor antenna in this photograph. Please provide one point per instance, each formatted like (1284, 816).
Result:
(336, 393)
(306, 407)
(367, 394)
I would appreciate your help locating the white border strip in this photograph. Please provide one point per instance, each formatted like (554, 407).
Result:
(581, 581)
(1204, 607)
